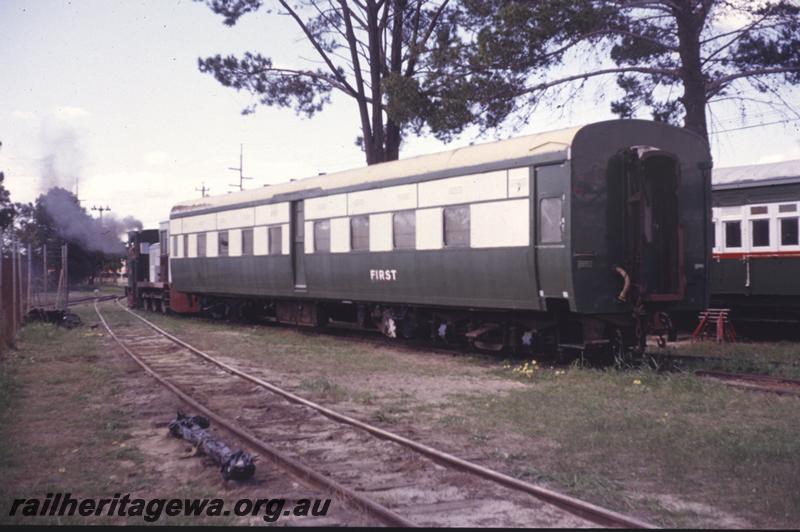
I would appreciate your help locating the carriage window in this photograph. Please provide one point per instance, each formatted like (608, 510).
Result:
(789, 232)
(322, 236)
(174, 246)
(550, 220)
(733, 234)
(247, 241)
(275, 240)
(222, 248)
(405, 229)
(456, 227)
(359, 233)
(201, 245)
(760, 233)
(185, 246)
(758, 210)
(789, 207)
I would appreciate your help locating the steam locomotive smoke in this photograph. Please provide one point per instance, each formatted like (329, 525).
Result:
(60, 167)
(73, 224)
(64, 156)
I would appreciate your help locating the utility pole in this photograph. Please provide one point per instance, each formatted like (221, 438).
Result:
(44, 274)
(14, 311)
(101, 209)
(204, 190)
(65, 273)
(30, 277)
(240, 169)
(3, 339)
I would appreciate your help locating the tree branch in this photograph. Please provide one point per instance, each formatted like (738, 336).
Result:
(720, 83)
(640, 70)
(359, 96)
(418, 46)
(335, 71)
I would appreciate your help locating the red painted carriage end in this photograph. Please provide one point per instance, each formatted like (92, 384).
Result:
(182, 302)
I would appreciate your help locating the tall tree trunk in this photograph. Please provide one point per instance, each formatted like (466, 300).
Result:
(393, 139)
(361, 99)
(690, 24)
(393, 132)
(376, 70)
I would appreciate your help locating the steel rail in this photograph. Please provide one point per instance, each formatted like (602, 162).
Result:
(596, 514)
(89, 299)
(301, 471)
(761, 383)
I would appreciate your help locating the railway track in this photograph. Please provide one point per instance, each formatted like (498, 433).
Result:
(397, 480)
(761, 383)
(688, 360)
(90, 299)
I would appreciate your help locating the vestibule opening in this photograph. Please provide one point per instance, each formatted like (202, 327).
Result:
(644, 224)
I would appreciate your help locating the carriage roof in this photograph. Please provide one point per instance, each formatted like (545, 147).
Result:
(551, 145)
(756, 175)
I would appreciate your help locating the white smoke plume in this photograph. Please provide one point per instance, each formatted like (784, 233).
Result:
(64, 156)
(61, 167)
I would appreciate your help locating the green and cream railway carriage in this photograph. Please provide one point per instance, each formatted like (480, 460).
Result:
(577, 236)
(756, 257)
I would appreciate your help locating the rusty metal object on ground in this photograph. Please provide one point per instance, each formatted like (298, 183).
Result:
(62, 318)
(236, 465)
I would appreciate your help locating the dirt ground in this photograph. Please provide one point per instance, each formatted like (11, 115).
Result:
(78, 416)
(666, 447)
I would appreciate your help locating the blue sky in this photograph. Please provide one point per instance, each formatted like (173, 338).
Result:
(110, 91)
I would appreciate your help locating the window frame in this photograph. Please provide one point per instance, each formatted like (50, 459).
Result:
(322, 226)
(353, 239)
(780, 219)
(760, 220)
(413, 239)
(465, 243)
(244, 241)
(275, 241)
(226, 241)
(742, 239)
(202, 245)
(559, 224)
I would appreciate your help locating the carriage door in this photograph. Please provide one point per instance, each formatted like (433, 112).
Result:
(298, 245)
(550, 230)
(662, 272)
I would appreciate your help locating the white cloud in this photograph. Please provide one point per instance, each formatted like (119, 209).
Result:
(147, 195)
(23, 115)
(69, 113)
(154, 158)
(733, 15)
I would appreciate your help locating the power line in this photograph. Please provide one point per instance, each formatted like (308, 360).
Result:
(786, 121)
